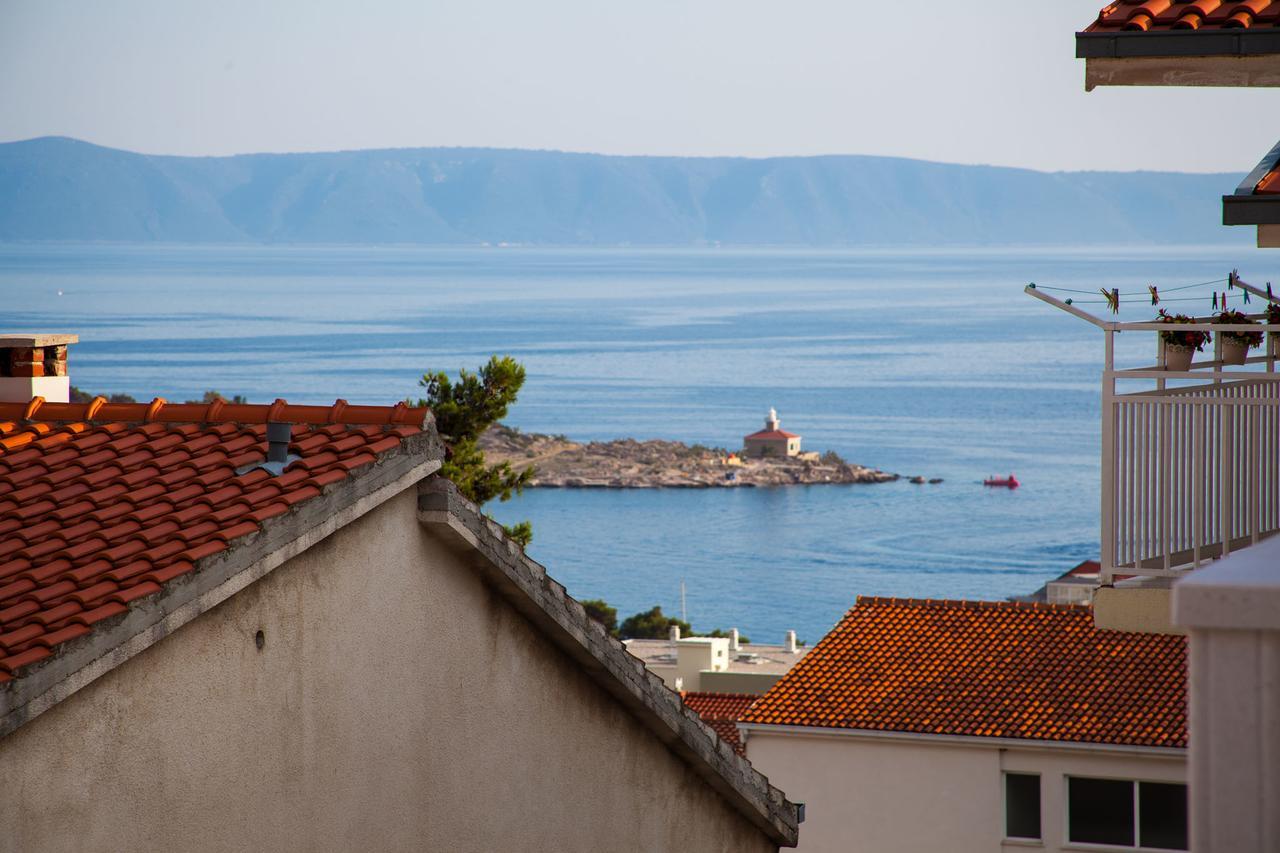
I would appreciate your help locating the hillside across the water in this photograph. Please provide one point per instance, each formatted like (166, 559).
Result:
(55, 188)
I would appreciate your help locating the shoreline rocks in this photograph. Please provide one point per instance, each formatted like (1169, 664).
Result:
(656, 464)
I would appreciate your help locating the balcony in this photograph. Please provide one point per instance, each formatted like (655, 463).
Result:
(1190, 464)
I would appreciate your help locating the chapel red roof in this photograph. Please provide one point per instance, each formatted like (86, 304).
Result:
(986, 669)
(722, 711)
(103, 504)
(1138, 16)
(772, 433)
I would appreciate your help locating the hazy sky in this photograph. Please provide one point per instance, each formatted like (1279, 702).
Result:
(935, 79)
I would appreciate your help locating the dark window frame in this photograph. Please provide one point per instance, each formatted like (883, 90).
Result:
(1004, 798)
(1135, 788)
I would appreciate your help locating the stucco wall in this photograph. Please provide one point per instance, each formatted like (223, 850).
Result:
(905, 796)
(867, 796)
(397, 704)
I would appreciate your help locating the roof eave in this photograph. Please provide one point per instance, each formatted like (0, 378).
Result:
(1173, 752)
(527, 587)
(1244, 207)
(1235, 58)
(1250, 210)
(1178, 43)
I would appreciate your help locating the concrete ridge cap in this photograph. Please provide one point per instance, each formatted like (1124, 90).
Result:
(964, 603)
(100, 410)
(113, 641)
(527, 585)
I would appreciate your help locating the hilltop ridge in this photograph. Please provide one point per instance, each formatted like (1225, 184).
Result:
(55, 188)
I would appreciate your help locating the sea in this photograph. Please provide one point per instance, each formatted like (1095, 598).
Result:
(921, 362)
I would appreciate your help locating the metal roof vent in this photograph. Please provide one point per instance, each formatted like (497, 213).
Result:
(278, 455)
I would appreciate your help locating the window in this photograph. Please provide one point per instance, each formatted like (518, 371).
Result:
(1106, 811)
(1162, 815)
(1021, 805)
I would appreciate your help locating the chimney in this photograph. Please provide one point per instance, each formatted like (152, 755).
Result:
(674, 633)
(279, 435)
(733, 640)
(34, 366)
(789, 645)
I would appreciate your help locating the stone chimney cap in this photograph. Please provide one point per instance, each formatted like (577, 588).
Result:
(21, 339)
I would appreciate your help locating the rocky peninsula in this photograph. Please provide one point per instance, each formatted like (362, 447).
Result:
(630, 464)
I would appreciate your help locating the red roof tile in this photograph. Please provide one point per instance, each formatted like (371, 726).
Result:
(986, 669)
(722, 711)
(772, 434)
(102, 504)
(1270, 183)
(1088, 567)
(1139, 16)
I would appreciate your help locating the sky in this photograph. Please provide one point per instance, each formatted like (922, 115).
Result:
(929, 79)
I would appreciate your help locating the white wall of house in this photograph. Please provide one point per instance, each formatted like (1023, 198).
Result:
(908, 794)
(397, 703)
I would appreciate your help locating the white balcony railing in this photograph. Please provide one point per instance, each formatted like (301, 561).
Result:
(1189, 473)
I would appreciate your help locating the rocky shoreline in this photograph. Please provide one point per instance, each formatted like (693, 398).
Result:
(630, 464)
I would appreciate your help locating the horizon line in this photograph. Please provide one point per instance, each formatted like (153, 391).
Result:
(577, 153)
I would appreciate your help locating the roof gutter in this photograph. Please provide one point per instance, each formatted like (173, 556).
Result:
(1127, 45)
(1243, 207)
(1178, 753)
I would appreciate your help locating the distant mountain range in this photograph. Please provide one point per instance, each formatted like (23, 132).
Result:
(63, 189)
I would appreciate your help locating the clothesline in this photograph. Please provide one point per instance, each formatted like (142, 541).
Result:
(1143, 291)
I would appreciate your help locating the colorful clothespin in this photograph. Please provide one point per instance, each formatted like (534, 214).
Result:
(1155, 294)
(1113, 299)
(1245, 294)
(1215, 300)
(1232, 278)
(1268, 290)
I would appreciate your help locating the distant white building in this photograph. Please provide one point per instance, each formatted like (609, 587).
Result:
(771, 441)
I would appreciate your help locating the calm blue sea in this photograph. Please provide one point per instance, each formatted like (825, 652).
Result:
(918, 362)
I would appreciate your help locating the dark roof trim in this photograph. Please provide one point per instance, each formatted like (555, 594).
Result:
(1241, 42)
(1243, 207)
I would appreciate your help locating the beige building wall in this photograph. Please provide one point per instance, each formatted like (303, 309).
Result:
(397, 704)
(882, 795)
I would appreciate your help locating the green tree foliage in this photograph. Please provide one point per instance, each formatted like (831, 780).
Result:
(652, 625)
(79, 395)
(717, 632)
(211, 396)
(599, 610)
(463, 410)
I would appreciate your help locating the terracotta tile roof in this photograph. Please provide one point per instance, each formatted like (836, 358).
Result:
(722, 711)
(1270, 183)
(1139, 16)
(1256, 200)
(772, 433)
(986, 669)
(101, 504)
(1088, 567)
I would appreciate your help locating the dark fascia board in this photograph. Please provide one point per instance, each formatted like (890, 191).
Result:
(1243, 207)
(1124, 45)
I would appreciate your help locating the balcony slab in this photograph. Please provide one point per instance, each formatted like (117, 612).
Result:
(1138, 604)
